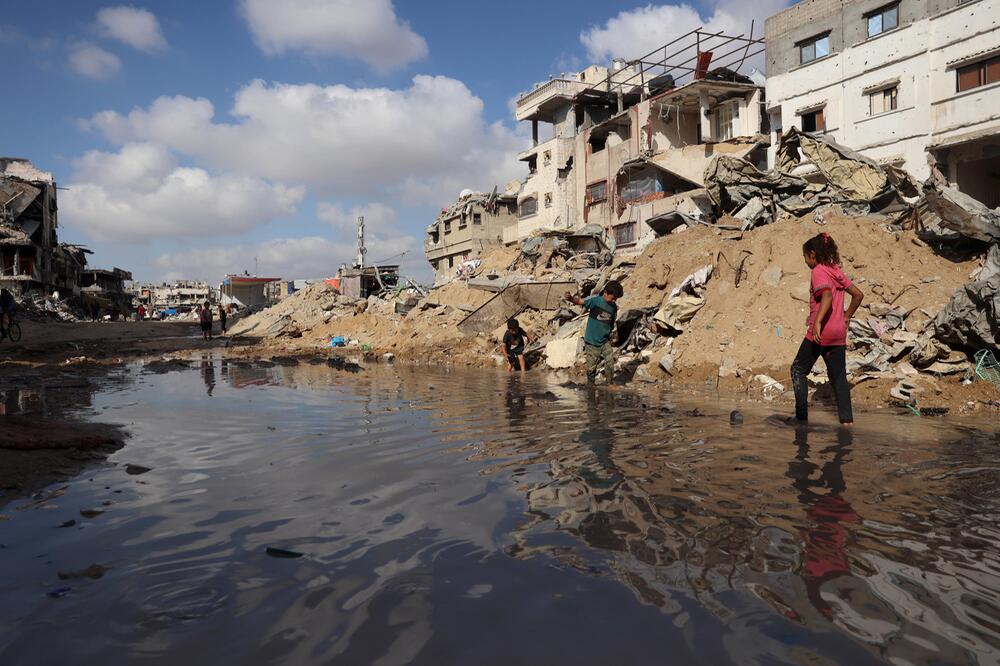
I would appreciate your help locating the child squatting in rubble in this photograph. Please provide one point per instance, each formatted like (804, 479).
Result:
(602, 313)
(826, 327)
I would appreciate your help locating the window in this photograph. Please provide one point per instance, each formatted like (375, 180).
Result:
(883, 20)
(548, 199)
(814, 121)
(978, 74)
(625, 234)
(547, 157)
(451, 262)
(643, 184)
(817, 47)
(477, 218)
(462, 223)
(533, 165)
(527, 207)
(881, 101)
(722, 121)
(447, 226)
(597, 191)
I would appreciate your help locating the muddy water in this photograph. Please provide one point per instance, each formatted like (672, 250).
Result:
(467, 517)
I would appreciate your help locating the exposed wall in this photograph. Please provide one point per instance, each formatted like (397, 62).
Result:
(553, 176)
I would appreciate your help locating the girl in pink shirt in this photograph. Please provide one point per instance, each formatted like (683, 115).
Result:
(826, 328)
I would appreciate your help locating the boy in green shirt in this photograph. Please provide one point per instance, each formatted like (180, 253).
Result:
(602, 312)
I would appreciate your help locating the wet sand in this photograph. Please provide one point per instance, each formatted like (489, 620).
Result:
(442, 516)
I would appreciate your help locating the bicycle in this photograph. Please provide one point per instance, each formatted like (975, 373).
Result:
(12, 332)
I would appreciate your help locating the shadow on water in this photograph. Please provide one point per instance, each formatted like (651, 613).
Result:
(472, 517)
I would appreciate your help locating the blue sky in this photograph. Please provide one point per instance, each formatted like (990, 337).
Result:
(195, 136)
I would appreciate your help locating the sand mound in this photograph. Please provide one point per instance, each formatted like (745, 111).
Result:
(756, 302)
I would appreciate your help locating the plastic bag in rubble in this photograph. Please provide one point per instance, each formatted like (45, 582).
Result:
(971, 319)
(684, 301)
(946, 207)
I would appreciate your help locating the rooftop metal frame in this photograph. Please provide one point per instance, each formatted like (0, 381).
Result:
(679, 58)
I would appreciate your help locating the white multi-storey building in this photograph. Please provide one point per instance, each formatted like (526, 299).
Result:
(910, 82)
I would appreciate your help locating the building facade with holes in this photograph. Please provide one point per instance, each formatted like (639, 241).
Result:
(910, 82)
(626, 147)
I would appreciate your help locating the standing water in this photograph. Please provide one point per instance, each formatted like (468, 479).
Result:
(300, 515)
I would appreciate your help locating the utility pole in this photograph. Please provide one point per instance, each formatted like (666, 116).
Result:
(256, 270)
(362, 251)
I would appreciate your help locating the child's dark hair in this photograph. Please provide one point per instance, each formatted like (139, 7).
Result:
(513, 324)
(824, 248)
(614, 288)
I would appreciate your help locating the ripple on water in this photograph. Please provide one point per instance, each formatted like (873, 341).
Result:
(448, 516)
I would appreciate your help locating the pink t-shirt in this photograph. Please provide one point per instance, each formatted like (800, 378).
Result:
(834, 326)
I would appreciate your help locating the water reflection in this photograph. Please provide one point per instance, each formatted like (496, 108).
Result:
(827, 512)
(449, 517)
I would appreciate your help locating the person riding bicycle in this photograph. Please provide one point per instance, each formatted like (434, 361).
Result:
(7, 305)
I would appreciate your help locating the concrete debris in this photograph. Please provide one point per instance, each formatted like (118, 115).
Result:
(728, 367)
(971, 319)
(854, 176)
(960, 213)
(684, 301)
(772, 387)
(511, 301)
(563, 352)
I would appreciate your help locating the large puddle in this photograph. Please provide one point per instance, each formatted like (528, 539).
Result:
(474, 518)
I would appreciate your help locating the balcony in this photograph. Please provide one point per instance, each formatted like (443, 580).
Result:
(546, 98)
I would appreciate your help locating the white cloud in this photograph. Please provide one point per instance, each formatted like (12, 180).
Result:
(378, 216)
(141, 193)
(289, 258)
(634, 33)
(423, 143)
(365, 29)
(93, 62)
(383, 238)
(136, 27)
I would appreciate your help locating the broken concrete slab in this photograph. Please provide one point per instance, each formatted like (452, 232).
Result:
(961, 213)
(563, 352)
(512, 300)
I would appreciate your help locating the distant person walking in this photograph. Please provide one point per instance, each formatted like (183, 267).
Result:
(140, 312)
(205, 315)
(826, 327)
(222, 318)
(602, 312)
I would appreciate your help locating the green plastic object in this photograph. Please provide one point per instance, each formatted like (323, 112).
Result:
(987, 367)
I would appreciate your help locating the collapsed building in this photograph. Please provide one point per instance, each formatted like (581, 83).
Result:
(910, 83)
(629, 144)
(179, 295)
(464, 229)
(32, 260)
(107, 289)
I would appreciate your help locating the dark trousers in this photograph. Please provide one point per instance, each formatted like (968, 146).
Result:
(836, 369)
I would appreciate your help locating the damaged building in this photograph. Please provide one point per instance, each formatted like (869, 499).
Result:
(32, 260)
(911, 83)
(629, 144)
(107, 289)
(464, 229)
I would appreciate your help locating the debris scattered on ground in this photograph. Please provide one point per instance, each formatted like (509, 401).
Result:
(720, 296)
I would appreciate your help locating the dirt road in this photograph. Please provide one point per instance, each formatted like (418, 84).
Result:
(48, 342)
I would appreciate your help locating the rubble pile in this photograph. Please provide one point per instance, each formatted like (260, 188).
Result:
(724, 301)
(38, 307)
